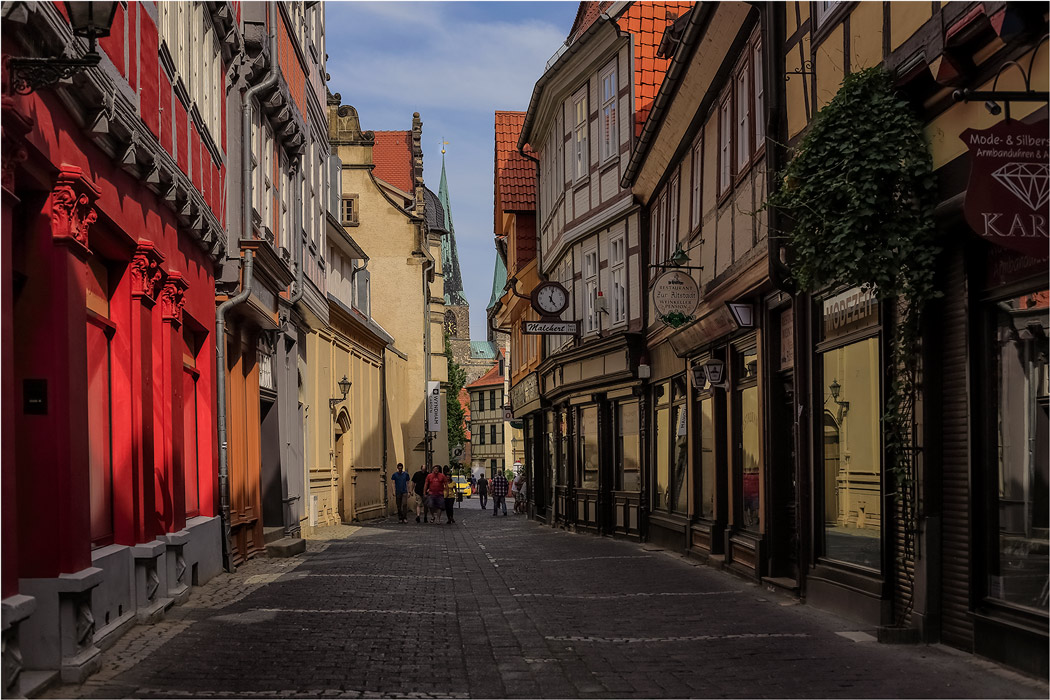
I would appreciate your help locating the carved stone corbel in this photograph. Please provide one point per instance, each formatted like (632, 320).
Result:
(173, 298)
(72, 210)
(146, 273)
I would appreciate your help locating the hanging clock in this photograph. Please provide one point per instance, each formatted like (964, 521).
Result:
(550, 298)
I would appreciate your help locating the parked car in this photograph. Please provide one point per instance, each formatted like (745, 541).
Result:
(462, 485)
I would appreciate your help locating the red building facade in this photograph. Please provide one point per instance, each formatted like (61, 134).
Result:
(113, 220)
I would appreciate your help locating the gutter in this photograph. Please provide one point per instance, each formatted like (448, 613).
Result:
(246, 290)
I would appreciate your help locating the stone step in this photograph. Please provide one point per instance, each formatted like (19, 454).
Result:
(286, 547)
(272, 534)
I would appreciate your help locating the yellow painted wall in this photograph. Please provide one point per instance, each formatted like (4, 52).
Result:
(865, 35)
(830, 67)
(797, 89)
(905, 20)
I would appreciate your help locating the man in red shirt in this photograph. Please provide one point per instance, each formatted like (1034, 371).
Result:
(435, 489)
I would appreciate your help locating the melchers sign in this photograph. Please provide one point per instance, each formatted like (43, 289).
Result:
(1006, 198)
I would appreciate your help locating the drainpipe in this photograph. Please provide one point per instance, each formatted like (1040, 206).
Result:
(246, 288)
(297, 231)
(428, 441)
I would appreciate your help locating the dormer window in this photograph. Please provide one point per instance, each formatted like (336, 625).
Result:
(349, 210)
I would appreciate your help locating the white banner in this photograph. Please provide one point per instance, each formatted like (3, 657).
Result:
(434, 407)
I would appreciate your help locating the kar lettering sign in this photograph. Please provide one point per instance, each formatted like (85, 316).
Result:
(1007, 196)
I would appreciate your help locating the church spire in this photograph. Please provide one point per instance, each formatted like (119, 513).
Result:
(449, 257)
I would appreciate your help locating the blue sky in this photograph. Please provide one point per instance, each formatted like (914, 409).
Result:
(455, 63)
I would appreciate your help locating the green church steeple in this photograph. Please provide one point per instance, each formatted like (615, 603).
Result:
(454, 295)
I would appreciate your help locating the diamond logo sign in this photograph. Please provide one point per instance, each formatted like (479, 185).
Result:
(1009, 188)
(1028, 182)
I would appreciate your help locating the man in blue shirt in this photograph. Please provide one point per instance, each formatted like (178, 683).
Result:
(400, 479)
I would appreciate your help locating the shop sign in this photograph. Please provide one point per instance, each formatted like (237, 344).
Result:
(849, 311)
(1007, 195)
(675, 297)
(525, 392)
(550, 327)
(434, 407)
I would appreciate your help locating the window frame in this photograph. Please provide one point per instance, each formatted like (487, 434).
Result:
(725, 119)
(580, 136)
(696, 185)
(618, 279)
(610, 137)
(591, 314)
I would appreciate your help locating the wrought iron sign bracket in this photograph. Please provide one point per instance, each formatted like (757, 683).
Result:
(672, 266)
(32, 74)
(805, 69)
(993, 97)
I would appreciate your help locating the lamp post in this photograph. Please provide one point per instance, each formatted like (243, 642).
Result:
(90, 20)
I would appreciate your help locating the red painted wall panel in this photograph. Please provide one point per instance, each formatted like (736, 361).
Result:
(133, 44)
(114, 44)
(196, 162)
(182, 135)
(153, 81)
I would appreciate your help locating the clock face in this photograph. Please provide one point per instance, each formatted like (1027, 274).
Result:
(550, 298)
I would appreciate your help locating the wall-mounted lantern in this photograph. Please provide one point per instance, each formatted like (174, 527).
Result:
(344, 386)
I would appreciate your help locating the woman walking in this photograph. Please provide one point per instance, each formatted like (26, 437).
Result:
(450, 496)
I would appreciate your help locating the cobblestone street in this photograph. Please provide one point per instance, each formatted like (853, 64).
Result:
(508, 608)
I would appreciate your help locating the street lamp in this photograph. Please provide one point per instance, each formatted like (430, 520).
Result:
(90, 20)
(344, 386)
(836, 389)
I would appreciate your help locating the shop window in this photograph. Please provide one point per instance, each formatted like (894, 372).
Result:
(628, 447)
(551, 443)
(589, 446)
(705, 442)
(748, 434)
(852, 453)
(100, 332)
(563, 453)
(1019, 561)
(661, 443)
(678, 500)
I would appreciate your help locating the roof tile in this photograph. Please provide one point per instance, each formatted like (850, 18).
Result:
(515, 174)
(392, 156)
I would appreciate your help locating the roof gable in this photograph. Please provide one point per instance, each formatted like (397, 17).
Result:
(515, 174)
(490, 378)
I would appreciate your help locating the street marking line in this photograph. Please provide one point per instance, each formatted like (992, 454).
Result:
(354, 611)
(492, 559)
(857, 636)
(698, 638)
(617, 596)
(626, 556)
(399, 576)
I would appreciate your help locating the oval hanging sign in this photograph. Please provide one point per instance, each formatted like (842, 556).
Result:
(675, 296)
(1007, 196)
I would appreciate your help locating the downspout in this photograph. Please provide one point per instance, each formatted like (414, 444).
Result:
(428, 441)
(246, 289)
(297, 231)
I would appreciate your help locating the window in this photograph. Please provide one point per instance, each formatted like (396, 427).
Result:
(851, 478)
(492, 399)
(658, 232)
(481, 400)
(725, 130)
(610, 140)
(661, 425)
(99, 414)
(481, 435)
(579, 135)
(824, 8)
(1019, 516)
(628, 447)
(742, 137)
(492, 434)
(589, 446)
(706, 446)
(590, 288)
(617, 275)
(187, 32)
(349, 213)
(673, 204)
(563, 455)
(760, 94)
(748, 435)
(695, 191)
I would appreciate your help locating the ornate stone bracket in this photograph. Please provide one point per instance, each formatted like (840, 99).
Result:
(145, 272)
(72, 210)
(173, 298)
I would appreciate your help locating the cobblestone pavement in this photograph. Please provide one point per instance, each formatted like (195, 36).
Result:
(506, 607)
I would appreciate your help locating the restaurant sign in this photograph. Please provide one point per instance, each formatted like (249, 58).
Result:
(675, 297)
(1007, 195)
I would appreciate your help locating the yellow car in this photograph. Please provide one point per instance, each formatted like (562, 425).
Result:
(462, 485)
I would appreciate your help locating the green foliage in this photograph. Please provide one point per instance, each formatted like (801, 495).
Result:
(457, 379)
(860, 192)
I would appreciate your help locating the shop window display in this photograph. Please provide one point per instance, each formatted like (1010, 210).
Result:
(589, 443)
(1018, 571)
(628, 447)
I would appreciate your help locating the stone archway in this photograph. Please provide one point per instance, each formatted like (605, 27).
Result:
(341, 481)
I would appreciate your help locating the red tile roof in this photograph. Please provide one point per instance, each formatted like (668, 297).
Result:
(646, 21)
(585, 16)
(392, 156)
(515, 174)
(490, 378)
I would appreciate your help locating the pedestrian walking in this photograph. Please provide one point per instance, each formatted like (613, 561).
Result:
(400, 480)
(435, 489)
(499, 494)
(450, 496)
(521, 495)
(483, 490)
(419, 480)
